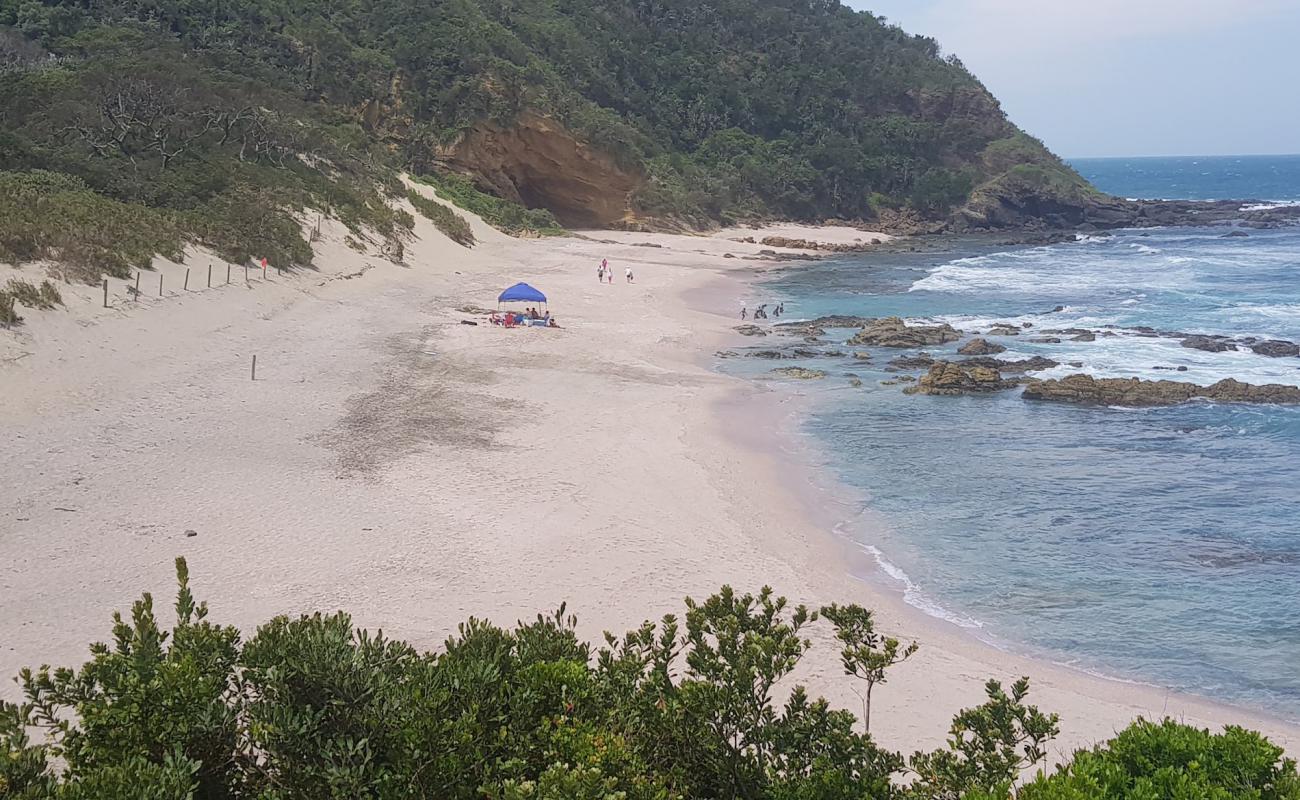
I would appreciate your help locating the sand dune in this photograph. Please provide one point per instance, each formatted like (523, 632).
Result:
(394, 462)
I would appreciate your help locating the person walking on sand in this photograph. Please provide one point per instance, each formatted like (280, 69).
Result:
(628, 273)
(743, 312)
(600, 273)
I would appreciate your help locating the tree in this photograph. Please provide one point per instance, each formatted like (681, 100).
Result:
(865, 654)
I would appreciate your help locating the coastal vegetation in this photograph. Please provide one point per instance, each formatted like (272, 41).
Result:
(504, 215)
(132, 128)
(697, 706)
(443, 218)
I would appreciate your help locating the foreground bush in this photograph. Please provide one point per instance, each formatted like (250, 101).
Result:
(312, 708)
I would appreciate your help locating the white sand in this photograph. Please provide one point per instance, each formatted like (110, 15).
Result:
(413, 470)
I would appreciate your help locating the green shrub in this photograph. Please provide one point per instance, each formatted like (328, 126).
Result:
(444, 219)
(50, 295)
(45, 215)
(501, 214)
(8, 310)
(1171, 760)
(44, 297)
(311, 707)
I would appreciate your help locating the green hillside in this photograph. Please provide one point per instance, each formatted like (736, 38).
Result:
(213, 121)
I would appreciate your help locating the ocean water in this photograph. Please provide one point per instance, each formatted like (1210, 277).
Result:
(1158, 545)
(1275, 178)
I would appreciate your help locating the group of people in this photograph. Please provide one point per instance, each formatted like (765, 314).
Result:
(512, 319)
(605, 273)
(761, 311)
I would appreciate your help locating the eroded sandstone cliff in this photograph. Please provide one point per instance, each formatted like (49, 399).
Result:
(538, 163)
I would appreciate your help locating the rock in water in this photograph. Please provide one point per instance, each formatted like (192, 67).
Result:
(921, 360)
(1001, 365)
(1276, 348)
(1003, 330)
(893, 332)
(750, 330)
(945, 378)
(981, 347)
(1210, 344)
(1136, 392)
(1086, 336)
(800, 373)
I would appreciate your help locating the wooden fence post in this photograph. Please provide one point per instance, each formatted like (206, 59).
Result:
(209, 275)
(227, 272)
(160, 277)
(254, 373)
(186, 287)
(106, 293)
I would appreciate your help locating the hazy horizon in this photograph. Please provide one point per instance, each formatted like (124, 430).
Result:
(1117, 79)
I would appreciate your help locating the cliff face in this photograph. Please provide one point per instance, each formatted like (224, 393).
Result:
(539, 163)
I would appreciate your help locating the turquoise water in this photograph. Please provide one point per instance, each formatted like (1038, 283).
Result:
(1158, 545)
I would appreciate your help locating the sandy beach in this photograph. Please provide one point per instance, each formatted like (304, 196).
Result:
(394, 462)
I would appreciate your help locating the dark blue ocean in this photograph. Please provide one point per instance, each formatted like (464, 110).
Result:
(1156, 545)
(1275, 178)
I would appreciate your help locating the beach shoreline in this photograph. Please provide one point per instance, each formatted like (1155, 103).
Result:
(414, 470)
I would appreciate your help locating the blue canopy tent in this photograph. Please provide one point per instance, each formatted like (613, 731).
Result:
(521, 293)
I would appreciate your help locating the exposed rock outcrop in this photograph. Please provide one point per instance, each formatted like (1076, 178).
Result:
(800, 373)
(1210, 344)
(946, 378)
(1002, 365)
(1136, 392)
(539, 163)
(921, 360)
(893, 332)
(981, 347)
(808, 244)
(750, 330)
(1276, 348)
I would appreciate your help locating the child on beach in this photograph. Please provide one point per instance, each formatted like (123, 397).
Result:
(600, 273)
(628, 272)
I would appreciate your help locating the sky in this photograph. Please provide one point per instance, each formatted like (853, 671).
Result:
(1128, 77)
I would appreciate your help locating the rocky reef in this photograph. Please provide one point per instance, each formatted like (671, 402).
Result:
(950, 379)
(1136, 392)
(981, 347)
(808, 244)
(893, 332)
(1002, 365)
(800, 373)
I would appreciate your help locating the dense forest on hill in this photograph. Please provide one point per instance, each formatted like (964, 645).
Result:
(212, 121)
(691, 707)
